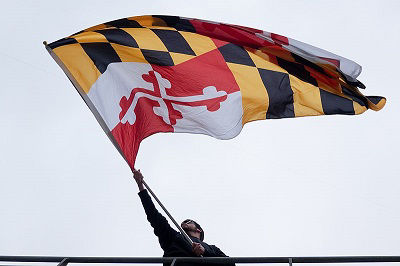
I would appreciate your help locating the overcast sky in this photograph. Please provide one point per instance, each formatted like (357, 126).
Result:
(314, 186)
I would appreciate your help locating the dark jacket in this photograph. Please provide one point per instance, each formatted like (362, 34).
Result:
(171, 241)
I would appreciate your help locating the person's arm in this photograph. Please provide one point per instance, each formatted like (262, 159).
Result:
(162, 229)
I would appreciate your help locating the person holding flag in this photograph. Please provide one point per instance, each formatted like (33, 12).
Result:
(171, 241)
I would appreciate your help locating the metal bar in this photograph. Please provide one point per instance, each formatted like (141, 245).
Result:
(290, 261)
(167, 212)
(221, 260)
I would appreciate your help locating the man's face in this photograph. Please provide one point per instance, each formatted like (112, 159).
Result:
(189, 226)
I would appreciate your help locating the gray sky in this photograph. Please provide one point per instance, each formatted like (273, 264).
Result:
(314, 186)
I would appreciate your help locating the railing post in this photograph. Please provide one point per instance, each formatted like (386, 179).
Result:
(290, 261)
(64, 262)
(173, 262)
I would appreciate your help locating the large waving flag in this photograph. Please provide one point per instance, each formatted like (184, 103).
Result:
(149, 74)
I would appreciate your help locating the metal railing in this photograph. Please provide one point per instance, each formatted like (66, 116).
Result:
(63, 261)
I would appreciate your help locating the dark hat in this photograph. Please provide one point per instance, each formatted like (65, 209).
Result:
(198, 227)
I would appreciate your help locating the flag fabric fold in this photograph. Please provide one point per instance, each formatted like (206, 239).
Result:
(149, 74)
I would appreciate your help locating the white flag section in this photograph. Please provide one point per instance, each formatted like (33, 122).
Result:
(122, 81)
(117, 82)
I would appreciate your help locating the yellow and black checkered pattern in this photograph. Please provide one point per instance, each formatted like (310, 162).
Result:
(88, 53)
(274, 82)
(286, 88)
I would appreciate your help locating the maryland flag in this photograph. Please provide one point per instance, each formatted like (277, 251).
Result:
(149, 74)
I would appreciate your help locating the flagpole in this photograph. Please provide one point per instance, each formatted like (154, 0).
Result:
(99, 119)
(167, 212)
